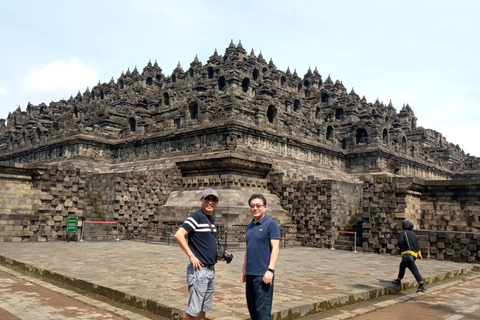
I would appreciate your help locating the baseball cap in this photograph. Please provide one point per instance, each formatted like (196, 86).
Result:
(209, 191)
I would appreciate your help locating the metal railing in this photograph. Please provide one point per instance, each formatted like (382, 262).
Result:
(160, 234)
(348, 232)
(155, 233)
(86, 222)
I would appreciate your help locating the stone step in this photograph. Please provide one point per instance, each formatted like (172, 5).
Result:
(99, 238)
(343, 241)
(99, 232)
(349, 239)
(346, 247)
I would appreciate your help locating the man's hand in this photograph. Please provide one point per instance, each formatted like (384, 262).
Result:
(197, 264)
(243, 276)
(267, 277)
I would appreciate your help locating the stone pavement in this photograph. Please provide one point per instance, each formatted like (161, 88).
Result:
(452, 299)
(152, 276)
(26, 298)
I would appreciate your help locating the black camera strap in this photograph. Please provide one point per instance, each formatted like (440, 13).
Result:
(211, 228)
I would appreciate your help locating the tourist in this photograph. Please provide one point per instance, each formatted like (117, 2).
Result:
(410, 250)
(263, 245)
(201, 250)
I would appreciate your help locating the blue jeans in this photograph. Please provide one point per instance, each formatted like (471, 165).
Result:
(259, 298)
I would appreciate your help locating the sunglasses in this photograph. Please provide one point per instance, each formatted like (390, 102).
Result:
(210, 199)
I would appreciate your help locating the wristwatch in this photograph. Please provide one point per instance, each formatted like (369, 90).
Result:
(270, 269)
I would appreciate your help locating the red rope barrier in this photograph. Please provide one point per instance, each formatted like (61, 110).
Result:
(100, 221)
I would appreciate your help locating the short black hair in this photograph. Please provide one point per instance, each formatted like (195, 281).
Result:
(257, 196)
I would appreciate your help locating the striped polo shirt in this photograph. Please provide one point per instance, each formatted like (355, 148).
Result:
(202, 235)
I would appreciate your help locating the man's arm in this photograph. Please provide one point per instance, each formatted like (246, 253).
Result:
(243, 275)
(275, 245)
(182, 242)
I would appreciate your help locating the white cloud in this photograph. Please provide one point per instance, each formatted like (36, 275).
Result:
(63, 76)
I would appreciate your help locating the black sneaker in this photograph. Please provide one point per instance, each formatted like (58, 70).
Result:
(421, 288)
(397, 282)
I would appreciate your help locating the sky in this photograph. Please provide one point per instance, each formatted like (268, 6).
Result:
(422, 53)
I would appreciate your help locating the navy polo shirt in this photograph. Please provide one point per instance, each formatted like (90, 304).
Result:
(202, 236)
(258, 237)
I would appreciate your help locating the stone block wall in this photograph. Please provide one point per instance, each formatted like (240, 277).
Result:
(450, 245)
(60, 194)
(44, 197)
(37, 201)
(137, 196)
(388, 201)
(17, 216)
(318, 207)
(135, 199)
(384, 208)
(16, 192)
(451, 206)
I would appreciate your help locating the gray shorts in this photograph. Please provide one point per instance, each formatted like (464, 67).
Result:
(201, 284)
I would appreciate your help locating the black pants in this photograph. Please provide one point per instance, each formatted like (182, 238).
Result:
(259, 298)
(408, 261)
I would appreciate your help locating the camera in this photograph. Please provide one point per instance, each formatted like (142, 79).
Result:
(222, 254)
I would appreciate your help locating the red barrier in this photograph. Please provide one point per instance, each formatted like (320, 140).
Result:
(90, 221)
(354, 244)
(100, 221)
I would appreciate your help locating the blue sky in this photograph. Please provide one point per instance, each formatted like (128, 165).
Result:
(421, 53)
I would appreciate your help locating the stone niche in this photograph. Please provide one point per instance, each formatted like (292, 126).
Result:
(235, 178)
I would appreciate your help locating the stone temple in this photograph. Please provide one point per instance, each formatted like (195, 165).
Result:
(140, 149)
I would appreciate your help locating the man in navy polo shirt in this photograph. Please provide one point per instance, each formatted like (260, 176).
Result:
(263, 245)
(201, 249)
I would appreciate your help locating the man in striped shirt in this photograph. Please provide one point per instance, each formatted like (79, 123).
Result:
(201, 250)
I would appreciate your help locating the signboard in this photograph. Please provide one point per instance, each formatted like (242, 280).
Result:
(72, 223)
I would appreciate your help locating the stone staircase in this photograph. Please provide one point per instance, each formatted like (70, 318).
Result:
(99, 231)
(100, 227)
(346, 241)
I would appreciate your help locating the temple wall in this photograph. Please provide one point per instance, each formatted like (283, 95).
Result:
(450, 245)
(37, 201)
(16, 193)
(437, 208)
(318, 207)
(16, 205)
(451, 206)
(43, 197)
(250, 142)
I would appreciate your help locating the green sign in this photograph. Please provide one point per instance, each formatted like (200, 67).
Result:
(72, 224)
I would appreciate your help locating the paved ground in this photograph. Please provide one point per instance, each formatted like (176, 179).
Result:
(153, 276)
(27, 298)
(452, 299)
